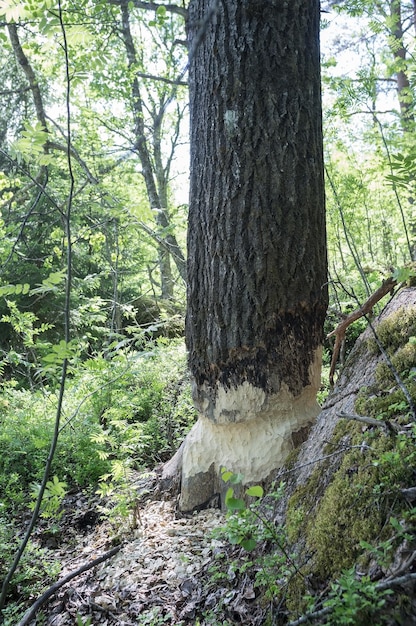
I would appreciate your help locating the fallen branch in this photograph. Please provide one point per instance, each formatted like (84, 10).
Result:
(403, 568)
(388, 426)
(31, 612)
(366, 309)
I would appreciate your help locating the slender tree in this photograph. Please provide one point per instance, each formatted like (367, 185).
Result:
(256, 243)
(156, 179)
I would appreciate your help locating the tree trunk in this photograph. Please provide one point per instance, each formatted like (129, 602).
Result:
(256, 243)
(398, 50)
(169, 244)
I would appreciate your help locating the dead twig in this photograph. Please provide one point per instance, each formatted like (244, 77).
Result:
(403, 568)
(366, 309)
(388, 426)
(31, 612)
(342, 450)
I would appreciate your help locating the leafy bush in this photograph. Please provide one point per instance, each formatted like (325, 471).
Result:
(132, 409)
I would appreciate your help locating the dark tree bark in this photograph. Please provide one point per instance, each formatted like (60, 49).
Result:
(256, 243)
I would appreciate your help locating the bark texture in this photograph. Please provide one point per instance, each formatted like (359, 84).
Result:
(256, 242)
(257, 260)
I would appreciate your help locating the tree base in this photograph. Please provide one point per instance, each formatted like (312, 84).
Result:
(253, 447)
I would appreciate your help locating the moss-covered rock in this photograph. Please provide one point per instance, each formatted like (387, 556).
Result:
(353, 492)
(395, 330)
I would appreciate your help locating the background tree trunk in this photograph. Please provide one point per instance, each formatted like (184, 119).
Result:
(399, 53)
(256, 243)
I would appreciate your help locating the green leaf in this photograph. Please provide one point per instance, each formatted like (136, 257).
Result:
(78, 35)
(225, 475)
(13, 10)
(235, 538)
(12, 290)
(235, 504)
(236, 479)
(249, 544)
(256, 491)
(54, 278)
(229, 494)
(402, 274)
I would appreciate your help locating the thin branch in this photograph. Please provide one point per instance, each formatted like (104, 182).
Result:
(349, 240)
(386, 287)
(170, 245)
(54, 442)
(154, 6)
(54, 145)
(10, 92)
(321, 458)
(34, 180)
(404, 567)
(57, 146)
(42, 174)
(371, 421)
(30, 614)
(74, 414)
(162, 79)
(394, 186)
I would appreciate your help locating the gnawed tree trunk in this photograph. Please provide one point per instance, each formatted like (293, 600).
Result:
(256, 243)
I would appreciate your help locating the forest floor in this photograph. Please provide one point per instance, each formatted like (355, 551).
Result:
(160, 575)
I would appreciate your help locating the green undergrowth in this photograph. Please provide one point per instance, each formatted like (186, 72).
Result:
(120, 417)
(38, 570)
(129, 412)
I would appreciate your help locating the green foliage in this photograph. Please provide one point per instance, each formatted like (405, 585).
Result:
(54, 494)
(37, 570)
(120, 415)
(242, 521)
(354, 600)
(27, 423)
(252, 526)
(31, 145)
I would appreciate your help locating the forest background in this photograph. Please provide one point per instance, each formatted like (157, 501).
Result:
(93, 193)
